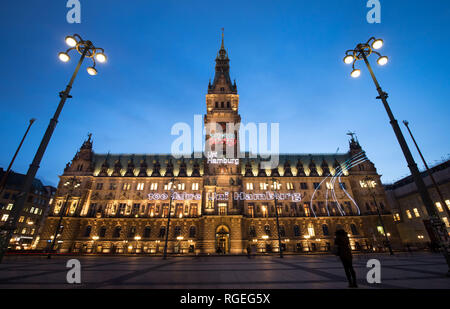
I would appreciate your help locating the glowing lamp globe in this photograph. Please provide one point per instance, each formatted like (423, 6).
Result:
(382, 60)
(70, 41)
(348, 59)
(356, 73)
(377, 44)
(64, 57)
(91, 71)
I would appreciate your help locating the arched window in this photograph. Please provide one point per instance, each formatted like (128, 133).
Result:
(217, 104)
(162, 231)
(192, 232)
(87, 232)
(325, 230)
(102, 232)
(354, 229)
(228, 104)
(147, 232)
(132, 232)
(117, 231)
(221, 104)
(297, 231)
(177, 231)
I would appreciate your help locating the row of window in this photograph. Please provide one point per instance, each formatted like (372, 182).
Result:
(290, 186)
(305, 208)
(415, 213)
(132, 232)
(222, 104)
(153, 186)
(297, 231)
(32, 210)
(150, 210)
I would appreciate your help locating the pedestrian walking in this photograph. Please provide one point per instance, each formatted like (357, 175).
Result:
(343, 250)
(249, 252)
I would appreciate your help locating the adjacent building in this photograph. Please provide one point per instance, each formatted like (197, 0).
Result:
(218, 203)
(410, 215)
(34, 213)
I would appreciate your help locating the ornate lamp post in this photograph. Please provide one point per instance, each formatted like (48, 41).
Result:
(371, 184)
(275, 188)
(85, 49)
(361, 52)
(71, 184)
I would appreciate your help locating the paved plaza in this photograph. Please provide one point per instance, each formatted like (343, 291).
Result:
(417, 270)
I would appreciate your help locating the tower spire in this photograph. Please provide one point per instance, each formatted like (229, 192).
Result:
(223, 45)
(222, 81)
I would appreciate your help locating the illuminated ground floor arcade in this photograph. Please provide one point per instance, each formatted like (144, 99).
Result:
(215, 235)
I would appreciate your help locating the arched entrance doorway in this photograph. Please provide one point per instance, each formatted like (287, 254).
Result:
(222, 239)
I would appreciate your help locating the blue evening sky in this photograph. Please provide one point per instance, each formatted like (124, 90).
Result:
(286, 57)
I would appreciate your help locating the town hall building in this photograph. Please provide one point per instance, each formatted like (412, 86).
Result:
(121, 203)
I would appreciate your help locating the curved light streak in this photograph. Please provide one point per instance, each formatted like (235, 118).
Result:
(351, 162)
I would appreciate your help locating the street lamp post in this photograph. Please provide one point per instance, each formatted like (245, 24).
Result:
(361, 52)
(441, 197)
(370, 183)
(71, 184)
(275, 188)
(85, 49)
(168, 218)
(5, 176)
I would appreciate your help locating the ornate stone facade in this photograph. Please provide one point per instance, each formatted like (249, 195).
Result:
(218, 206)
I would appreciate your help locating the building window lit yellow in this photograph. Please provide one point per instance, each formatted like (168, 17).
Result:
(5, 217)
(21, 219)
(311, 232)
(448, 203)
(9, 207)
(249, 186)
(439, 207)
(408, 214)
(126, 186)
(416, 212)
(154, 186)
(262, 186)
(445, 219)
(195, 186)
(396, 217)
(290, 186)
(140, 186)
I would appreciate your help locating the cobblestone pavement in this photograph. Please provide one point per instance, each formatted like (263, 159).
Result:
(417, 270)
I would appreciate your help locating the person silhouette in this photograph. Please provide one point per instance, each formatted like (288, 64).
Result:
(344, 252)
